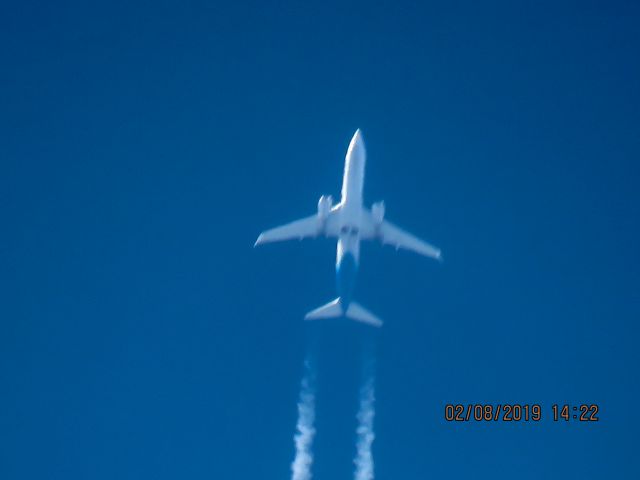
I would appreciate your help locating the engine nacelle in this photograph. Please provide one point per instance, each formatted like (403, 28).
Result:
(377, 212)
(324, 207)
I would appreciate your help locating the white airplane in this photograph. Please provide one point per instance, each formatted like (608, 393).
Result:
(350, 222)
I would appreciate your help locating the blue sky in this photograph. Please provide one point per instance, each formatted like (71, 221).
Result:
(144, 145)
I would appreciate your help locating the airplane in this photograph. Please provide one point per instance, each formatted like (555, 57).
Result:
(350, 222)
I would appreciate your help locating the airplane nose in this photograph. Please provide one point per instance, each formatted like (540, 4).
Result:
(356, 140)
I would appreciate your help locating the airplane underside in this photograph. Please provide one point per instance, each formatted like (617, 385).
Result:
(350, 223)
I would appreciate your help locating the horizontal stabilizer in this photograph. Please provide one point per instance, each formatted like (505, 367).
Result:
(332, 309)
(358, 313)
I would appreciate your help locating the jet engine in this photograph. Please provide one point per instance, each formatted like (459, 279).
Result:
(377, 212)
(324, 207)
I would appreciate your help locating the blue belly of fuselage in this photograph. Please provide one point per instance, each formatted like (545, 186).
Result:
(346, 272)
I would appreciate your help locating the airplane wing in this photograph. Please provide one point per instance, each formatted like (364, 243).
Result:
(393, 235)
(311, 226)
(390, 234)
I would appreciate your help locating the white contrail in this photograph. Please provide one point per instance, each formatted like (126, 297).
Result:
(305, 431)
(365, 435)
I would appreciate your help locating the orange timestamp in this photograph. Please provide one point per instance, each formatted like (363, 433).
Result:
(516, 412)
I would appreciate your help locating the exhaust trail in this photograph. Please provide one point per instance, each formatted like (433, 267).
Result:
(364, 433)
(305, 430)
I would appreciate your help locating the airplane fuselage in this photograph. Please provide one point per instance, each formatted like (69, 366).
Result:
(348, 246)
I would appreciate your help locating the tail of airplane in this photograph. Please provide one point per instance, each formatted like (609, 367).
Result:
(333, 309)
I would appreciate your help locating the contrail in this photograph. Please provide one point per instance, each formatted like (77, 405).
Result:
(365, 435)
(305, 431)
